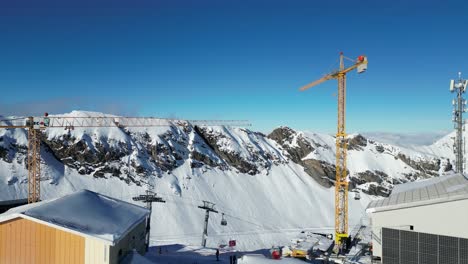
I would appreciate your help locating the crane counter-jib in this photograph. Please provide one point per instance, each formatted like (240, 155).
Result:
(74, 122)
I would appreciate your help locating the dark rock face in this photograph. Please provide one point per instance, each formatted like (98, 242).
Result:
(428, 167)
(230, 157)
(380, 148)
(138, 155)
(357, 143)
(8, 150)
(284, 136)
(372, 176)
(377, 190)
(4, 154)
(448, 167)
(201, 159)
(376, 178)
(85, 156)
(322, 172)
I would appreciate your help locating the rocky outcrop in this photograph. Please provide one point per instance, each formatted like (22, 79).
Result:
(370, 181)
(380, 148)
(377, 190)
(9, 150)
(4, 154)
(199, 159)
(357, 142)
(378, 182)
(294, 143)
(248, 164)
(322, 172)
(86, 156)
(134, 154)
(298, 147)
(448, 166)
(429, 167)
(371, 176)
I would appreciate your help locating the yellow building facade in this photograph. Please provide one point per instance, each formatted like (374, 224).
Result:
(28, 240)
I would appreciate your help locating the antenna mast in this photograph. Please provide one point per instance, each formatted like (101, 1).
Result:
(459, 107)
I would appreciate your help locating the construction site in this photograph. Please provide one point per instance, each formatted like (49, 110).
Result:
(89, 186)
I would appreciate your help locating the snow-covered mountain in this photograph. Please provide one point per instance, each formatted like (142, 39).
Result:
(406, 139)
(374, 167)
(267, 185)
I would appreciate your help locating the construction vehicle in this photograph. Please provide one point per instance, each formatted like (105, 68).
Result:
(299, 253)
(341, 183)
(35, 125)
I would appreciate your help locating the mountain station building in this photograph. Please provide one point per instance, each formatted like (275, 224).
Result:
(422, 222)
(83, 227)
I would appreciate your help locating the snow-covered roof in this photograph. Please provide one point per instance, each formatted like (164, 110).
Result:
(435, 190)
(85, 213)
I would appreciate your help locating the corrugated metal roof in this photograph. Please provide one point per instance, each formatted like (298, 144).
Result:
(84, 212)
(454, 186)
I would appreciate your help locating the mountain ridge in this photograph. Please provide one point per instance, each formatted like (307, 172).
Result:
(267, 185)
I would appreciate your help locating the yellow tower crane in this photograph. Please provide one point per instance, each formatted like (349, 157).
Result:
(341, 182)
(34, 125)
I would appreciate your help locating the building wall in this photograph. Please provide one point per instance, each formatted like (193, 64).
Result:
(25, 241)
(409, 247)
(135, 239)
(447, 219)
(96, 252)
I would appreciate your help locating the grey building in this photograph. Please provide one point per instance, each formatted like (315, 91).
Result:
(414, 212)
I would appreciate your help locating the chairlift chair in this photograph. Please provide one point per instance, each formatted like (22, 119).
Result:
(357, 195)
(223, 220)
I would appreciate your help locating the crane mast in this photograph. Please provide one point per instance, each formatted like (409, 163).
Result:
(34, 165)
(341, 182)
(34, 125)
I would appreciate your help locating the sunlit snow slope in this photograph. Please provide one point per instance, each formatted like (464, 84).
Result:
(269, 187)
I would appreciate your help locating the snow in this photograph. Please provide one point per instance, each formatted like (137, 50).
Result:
(87, 212)
(260, 259)
(405, 139)
(444, 188)
(262, 210)
(369, 158)
(135, 258)
(183, 254)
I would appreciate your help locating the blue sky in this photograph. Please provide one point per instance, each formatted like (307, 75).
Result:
(210, 59)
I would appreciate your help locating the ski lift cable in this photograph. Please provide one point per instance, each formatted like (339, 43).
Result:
(263, 227)
(251, 221)
(272, 227)
(282, 229)
(237, 233)
(181, 202)
(219, 207)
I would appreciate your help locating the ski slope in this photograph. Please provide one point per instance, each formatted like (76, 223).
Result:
(266, 202)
